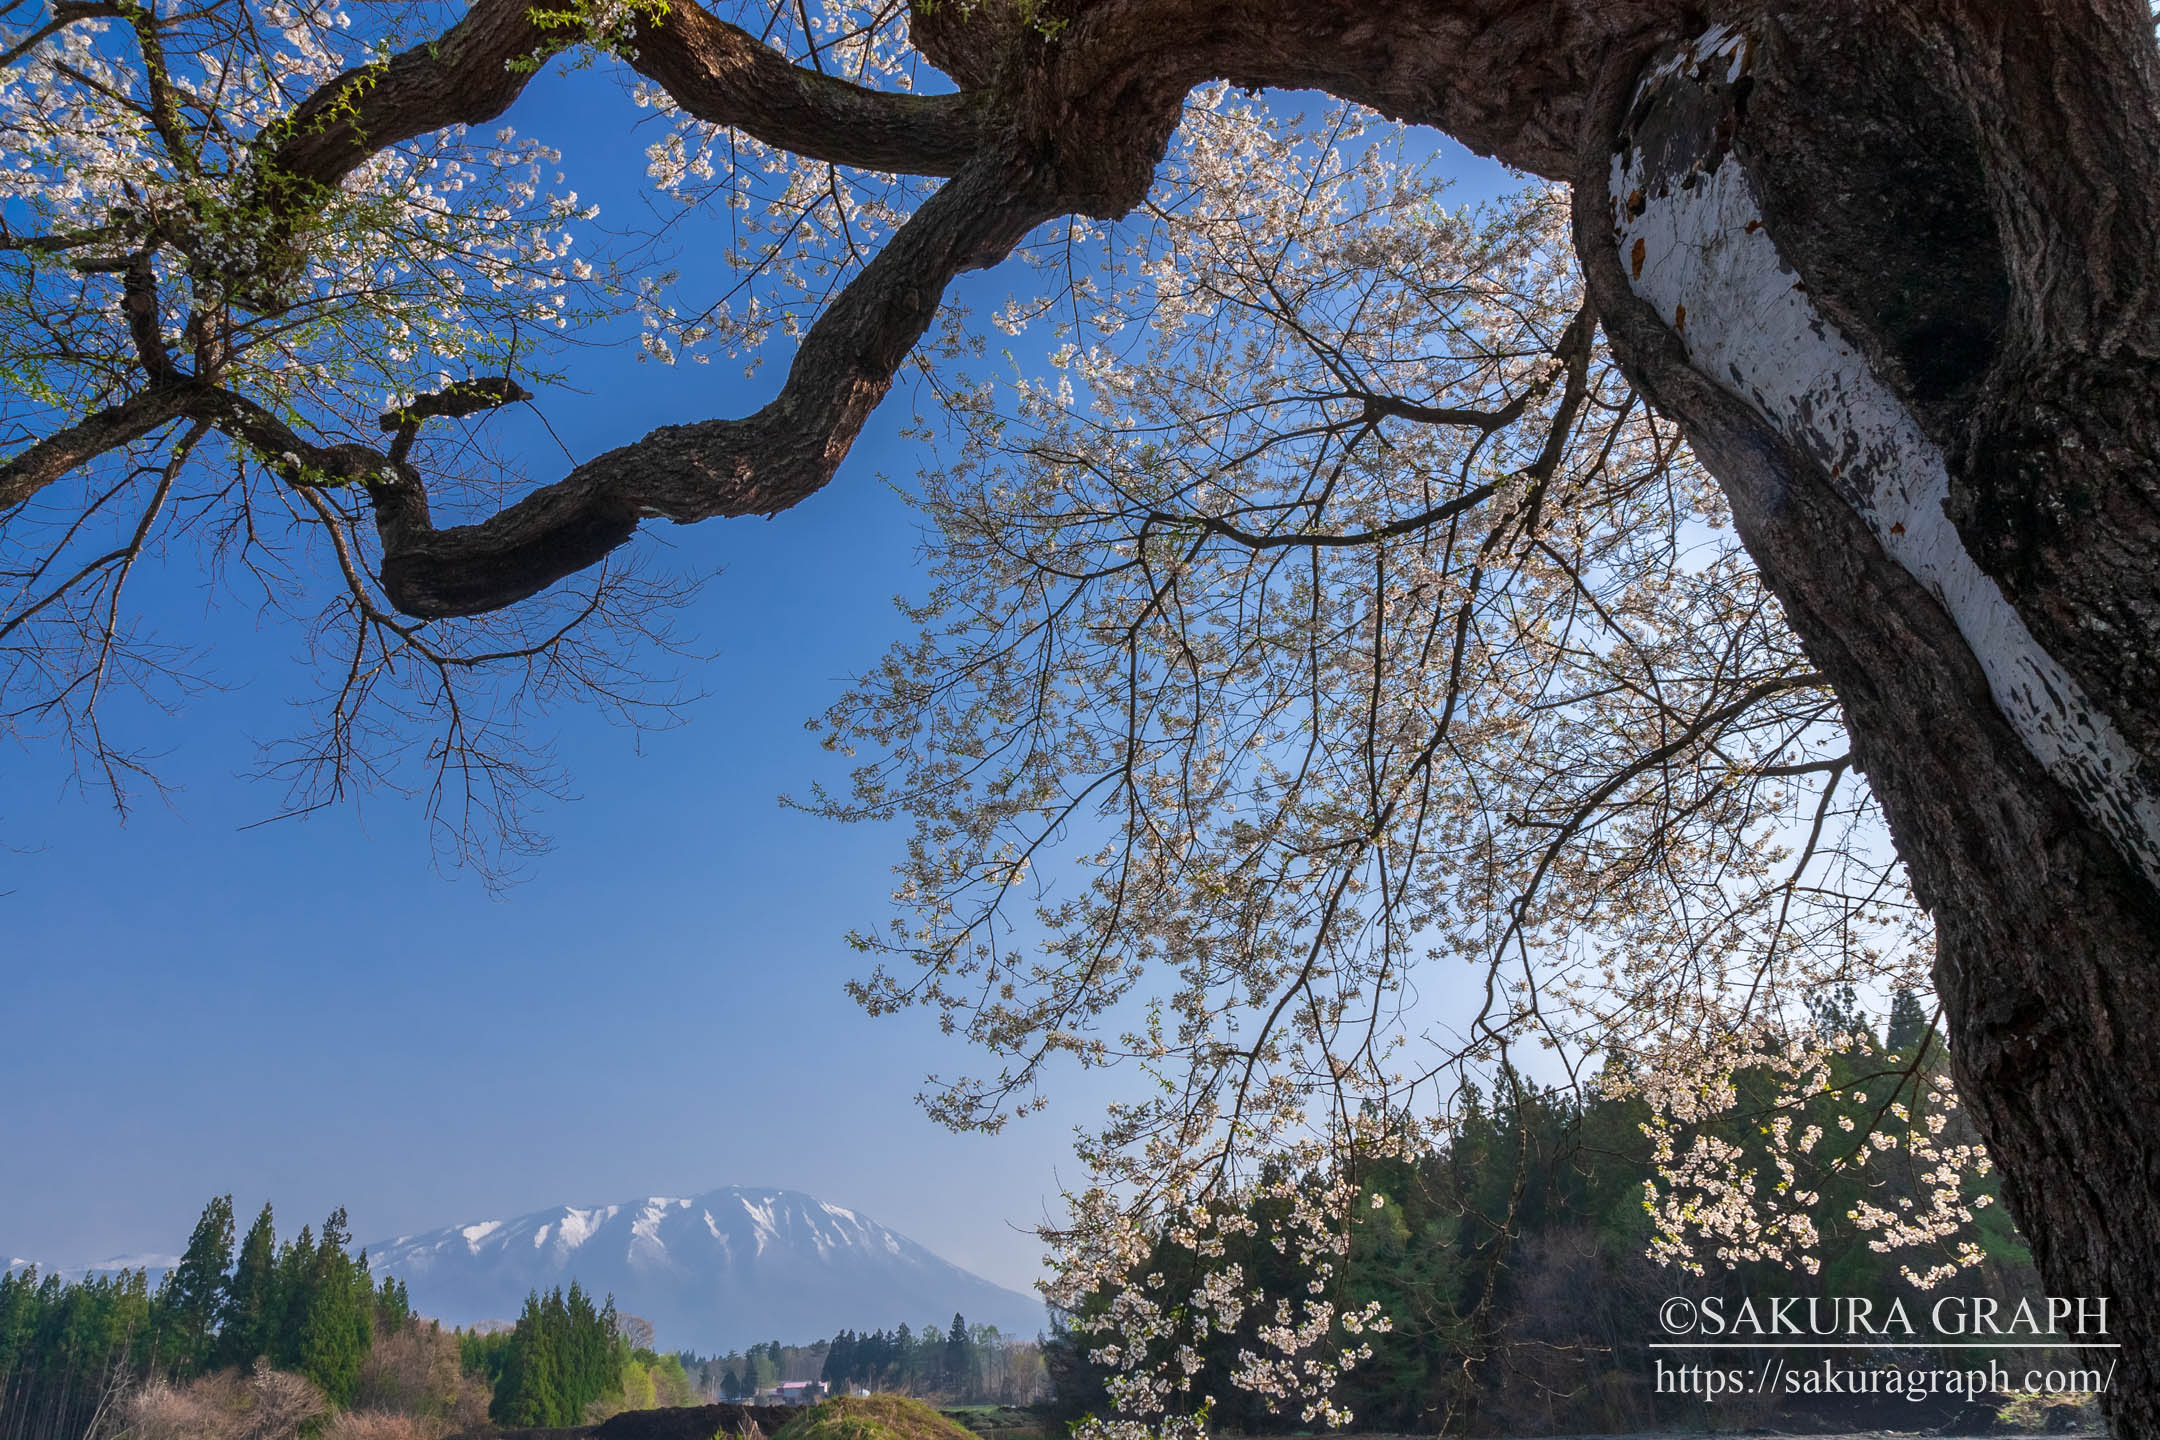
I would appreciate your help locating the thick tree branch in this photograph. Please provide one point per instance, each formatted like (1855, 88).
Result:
(757, 465)
(465, 76)
(725, 76)
(1409, 524)
(66, 13)
(466, 397)
(1379, 406)
(139, 298)
(1097, 117)
(1508, 78)
(1084, 112)
(158, 80)
(54, 244)
(714, 70)
(95, 434)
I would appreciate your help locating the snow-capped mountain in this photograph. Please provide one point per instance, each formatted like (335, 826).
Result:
(713, 1272)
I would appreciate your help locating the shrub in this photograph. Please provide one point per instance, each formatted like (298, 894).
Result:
(265, 1405)
(416, 1371)
(875, 1417)
(2050, 1414)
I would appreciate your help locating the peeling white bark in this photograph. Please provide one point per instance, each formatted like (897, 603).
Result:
(1700, 253)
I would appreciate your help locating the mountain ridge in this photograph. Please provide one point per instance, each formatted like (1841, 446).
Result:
(154, 1265)
(714, 1271)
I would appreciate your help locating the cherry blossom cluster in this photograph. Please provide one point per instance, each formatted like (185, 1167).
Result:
(1148, 1332)
(448, 254)
(1717, 1201)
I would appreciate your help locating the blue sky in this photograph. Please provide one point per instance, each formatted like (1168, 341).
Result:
(309, 1013)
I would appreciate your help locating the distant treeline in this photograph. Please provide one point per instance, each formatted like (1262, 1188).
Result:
(959, 1363)
(1512, 1262)
(293, 1337)
(68, 1352)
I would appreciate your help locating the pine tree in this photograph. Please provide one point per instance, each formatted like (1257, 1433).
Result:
(839, 1356)
(520, 1400)
(393, 1307)
(338, 1325)
(249, 1314)
(562, 1356)
(189, 1300)
(588, 1344)
(957, 1367)
(296, 1279)
(1909, 1025)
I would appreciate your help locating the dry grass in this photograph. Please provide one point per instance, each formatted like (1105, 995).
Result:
(411, 1388)
(378, 1425)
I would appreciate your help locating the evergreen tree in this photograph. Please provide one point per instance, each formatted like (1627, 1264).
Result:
(337, 1328)
(562, 1356)
(956, 1363)
(764, 1367)
(839, 1361)
(590, 1362)
(393, 1307)
(530, 1392)
(1909, 1025)
(926, 1365)
(487, 1356)
(295, 1298)
(189, 1300)
(248, 1316)
(65, 1348)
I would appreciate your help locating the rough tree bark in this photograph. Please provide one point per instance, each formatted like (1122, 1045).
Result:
(1891, 263)
(1891, 266)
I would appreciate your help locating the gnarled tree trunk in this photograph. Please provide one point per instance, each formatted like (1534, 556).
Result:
(1892, 266)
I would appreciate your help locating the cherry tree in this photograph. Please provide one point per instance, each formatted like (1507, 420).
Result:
(1343, 594)
(1414, 744)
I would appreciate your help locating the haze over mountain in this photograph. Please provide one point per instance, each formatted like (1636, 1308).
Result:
(713, 1272)
(157, 1265)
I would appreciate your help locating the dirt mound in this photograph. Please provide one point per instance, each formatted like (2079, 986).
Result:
(685, 1422)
